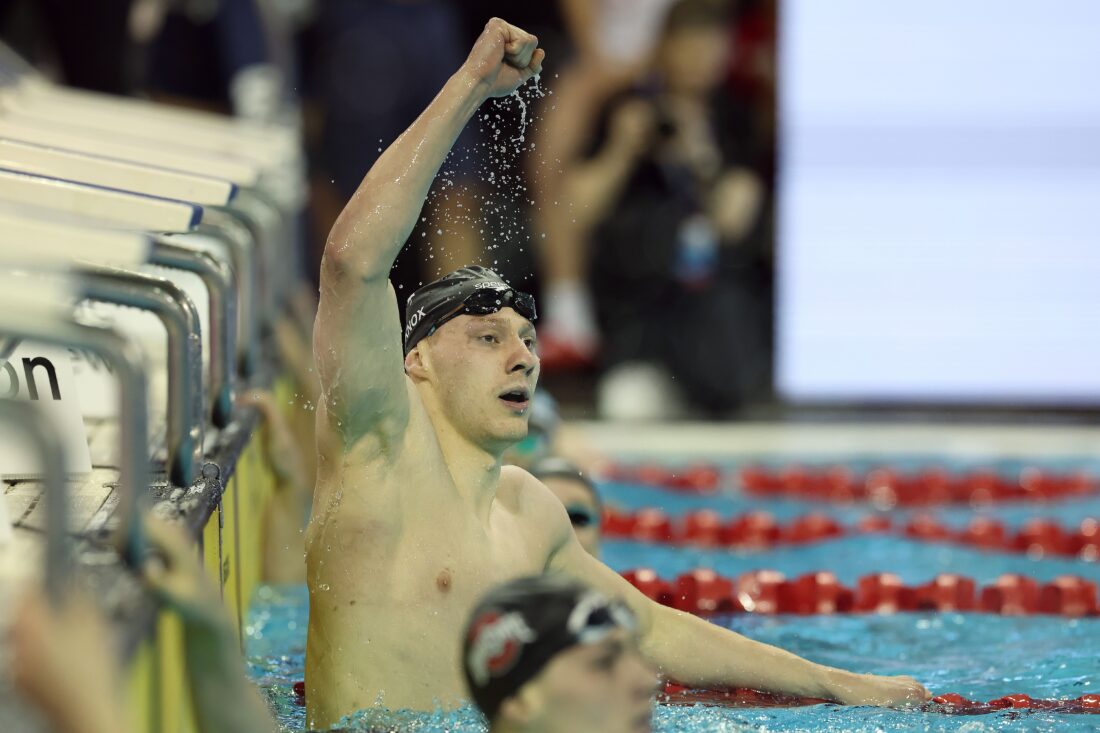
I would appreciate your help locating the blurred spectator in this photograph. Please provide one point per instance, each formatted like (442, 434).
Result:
(613, 42)
(506, 154)
(380, 62)
(681, 269)
(224, 55)
(579, 496)
(752, 72)
(88, 43)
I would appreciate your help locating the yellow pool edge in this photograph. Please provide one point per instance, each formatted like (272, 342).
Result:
(231, 548)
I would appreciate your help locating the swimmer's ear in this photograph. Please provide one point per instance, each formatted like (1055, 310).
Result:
(523, 708)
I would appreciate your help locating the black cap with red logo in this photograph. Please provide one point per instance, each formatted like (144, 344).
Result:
(523, 624)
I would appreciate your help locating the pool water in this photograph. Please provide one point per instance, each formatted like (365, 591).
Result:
(978, 656)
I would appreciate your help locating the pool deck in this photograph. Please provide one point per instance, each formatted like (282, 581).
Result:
(686, 440)
(90, 501)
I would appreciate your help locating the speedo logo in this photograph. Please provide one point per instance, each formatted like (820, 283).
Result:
(497, 640)
(414, 319)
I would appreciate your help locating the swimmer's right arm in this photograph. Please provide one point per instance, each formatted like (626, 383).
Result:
(357, 338)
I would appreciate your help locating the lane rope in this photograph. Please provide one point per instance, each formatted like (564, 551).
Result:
(760, 530)
(884, 487)
(704, 592)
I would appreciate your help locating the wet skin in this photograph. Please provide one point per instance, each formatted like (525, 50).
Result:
(606, 687)
(414, 516)
(398, 553)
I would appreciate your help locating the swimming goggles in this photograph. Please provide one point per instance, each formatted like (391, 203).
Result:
(594, 617)
(488, 300)
(581, 516)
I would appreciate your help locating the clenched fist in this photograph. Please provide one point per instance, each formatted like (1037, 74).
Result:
(503, 58)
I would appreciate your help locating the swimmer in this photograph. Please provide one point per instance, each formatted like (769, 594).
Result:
(549, 434)
(63, 660)
(548, 654)
(577, 494)
(414, 515)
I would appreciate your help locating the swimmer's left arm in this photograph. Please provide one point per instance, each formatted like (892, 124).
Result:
(696, 652)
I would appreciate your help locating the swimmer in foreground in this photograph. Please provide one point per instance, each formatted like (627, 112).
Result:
(548, 654)
(577, 494)
(414, 516)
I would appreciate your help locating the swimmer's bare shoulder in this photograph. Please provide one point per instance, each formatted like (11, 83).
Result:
(543, 517)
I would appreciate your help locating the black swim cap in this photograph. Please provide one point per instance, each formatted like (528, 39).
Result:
(521, 625)
(466, 290)
(557, 467)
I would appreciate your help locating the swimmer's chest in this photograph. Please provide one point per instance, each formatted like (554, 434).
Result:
(447, 565)
(451, 561)
(411, 528)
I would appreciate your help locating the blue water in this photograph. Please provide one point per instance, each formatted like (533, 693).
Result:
(978, 656)
(849, 557)
(1068, 512)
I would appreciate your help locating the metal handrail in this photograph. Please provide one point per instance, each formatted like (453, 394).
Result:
(175, 310)
(126, 359)
(253, 210)
(50, 450)
(221, 288)
(229, 227)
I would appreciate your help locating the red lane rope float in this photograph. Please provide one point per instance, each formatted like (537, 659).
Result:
(948, 704)
(758, 530)
(704, 592)
(886, 487)
(697, 478)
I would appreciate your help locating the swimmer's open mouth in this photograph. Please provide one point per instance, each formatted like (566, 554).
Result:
(518, 398)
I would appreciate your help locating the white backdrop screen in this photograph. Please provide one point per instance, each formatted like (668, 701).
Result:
(939, 201)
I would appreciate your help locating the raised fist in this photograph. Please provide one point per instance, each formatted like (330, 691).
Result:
(503, 58)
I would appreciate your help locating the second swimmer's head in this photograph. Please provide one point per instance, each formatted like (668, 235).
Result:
(546, 653)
